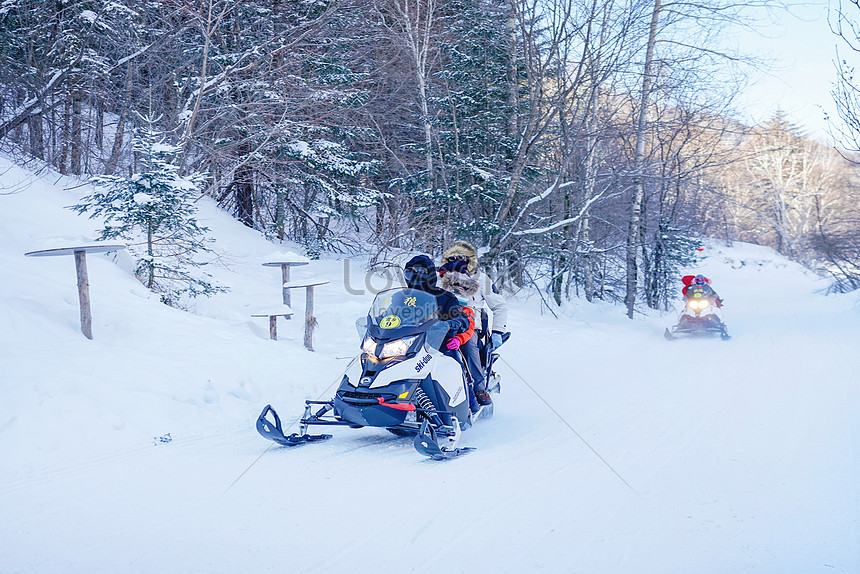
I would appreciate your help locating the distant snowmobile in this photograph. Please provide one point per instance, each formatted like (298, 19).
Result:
(401, 382)
(700, 317)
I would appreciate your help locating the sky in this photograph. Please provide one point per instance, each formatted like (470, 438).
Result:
(803, 49)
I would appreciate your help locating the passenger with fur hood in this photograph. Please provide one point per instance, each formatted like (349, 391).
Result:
(456, 281)
(462, 257)
(488, 296)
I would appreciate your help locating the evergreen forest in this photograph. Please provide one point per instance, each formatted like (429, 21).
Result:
(585, 146)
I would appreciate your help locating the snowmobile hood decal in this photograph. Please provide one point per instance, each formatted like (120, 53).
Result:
(410, 368)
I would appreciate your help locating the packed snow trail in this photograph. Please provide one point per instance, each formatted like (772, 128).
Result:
(742, 453)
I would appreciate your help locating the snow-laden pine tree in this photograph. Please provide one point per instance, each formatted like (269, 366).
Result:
(154, 210)
(474, 111)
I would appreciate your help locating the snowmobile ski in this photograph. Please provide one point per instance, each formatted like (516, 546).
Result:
(483, 412)
(272, 430)
(426, 443)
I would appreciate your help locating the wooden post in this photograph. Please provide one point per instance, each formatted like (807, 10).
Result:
(80, 253)
(285, 274)
(272, 315)
(310, 320)
(84, 294)
(285, 263)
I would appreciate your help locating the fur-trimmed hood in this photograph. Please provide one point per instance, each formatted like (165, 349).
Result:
(460, 284)
(465, 249)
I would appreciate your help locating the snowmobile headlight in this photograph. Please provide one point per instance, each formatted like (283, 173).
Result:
(397, 348)
(369, 346)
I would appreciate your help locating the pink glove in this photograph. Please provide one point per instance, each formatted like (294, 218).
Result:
(453, 343)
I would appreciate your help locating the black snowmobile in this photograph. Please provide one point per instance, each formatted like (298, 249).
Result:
(700, 317)
(400, 382)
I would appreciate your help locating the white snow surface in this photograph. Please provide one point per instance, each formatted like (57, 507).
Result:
(611, 450)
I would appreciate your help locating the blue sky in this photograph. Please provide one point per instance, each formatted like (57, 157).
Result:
(803, 50)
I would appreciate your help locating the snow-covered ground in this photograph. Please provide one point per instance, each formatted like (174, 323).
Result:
(611, 449)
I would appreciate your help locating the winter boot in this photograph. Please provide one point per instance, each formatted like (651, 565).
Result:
(483, 397)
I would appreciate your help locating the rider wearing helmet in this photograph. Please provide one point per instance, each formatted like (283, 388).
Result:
(701, 281)
(420, 273)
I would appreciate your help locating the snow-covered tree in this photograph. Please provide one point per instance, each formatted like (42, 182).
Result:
(154, 209)
(791, 179)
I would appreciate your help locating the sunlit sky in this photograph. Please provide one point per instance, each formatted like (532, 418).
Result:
(803, 49)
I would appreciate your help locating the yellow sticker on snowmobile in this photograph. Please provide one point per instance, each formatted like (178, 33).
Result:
(390, 322)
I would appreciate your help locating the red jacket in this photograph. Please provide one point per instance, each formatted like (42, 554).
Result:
(467, 334)
(687, 280)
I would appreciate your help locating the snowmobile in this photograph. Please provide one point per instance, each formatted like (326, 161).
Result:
(400, 382)
(700, 317)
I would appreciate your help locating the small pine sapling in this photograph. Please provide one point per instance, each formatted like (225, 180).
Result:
(154, 209)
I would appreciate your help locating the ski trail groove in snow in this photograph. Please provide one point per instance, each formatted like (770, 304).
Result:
(292, 424)
(585, 442)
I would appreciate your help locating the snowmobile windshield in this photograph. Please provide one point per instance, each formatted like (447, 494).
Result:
(397, 309)
(698, 291)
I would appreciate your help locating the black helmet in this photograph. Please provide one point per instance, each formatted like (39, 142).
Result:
(420, 273)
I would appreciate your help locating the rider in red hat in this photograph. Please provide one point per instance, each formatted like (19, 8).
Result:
(700, 281)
